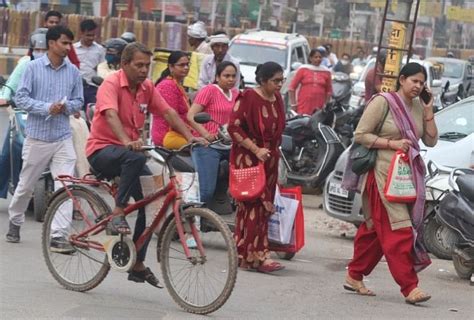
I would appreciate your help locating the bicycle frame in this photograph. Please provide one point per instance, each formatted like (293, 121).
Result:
(173, 198)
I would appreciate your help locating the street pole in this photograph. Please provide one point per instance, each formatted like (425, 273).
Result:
(228, 13)
(352, 17)
(260, 10)
(296, 18)
(213, 13)
(163, 11)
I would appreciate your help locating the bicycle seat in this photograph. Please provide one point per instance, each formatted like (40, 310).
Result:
(466, 186)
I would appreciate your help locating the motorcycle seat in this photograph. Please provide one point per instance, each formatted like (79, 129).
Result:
(466, 186)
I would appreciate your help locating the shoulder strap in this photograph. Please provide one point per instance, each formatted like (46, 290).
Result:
(379, 127)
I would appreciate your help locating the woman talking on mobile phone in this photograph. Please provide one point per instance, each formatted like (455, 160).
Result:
(393, 229)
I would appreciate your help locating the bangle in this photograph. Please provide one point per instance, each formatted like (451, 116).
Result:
(430, 119)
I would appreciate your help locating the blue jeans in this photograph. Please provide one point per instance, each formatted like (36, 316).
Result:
(206, 161)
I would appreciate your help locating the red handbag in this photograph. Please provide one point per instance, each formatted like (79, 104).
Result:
(248, 184)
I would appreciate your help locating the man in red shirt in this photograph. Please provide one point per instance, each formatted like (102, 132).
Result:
(372, 87)
(52, 19)
(114, 144)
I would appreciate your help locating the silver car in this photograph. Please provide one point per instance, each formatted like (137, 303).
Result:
(455, 149)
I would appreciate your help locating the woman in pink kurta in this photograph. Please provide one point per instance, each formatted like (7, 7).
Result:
(314, 84)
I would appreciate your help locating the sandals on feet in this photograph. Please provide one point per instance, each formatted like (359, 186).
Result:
(357, 287)
(270, 268)
(119, 224)
(145, 275)
(417, 296)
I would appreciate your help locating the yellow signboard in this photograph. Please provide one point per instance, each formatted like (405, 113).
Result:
(394, 57)
(455, 13)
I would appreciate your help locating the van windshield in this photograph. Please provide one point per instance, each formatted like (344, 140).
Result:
(253, 55)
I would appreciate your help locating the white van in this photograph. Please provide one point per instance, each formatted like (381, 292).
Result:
(252, 48)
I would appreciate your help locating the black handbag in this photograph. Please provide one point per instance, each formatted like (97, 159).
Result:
(363, 158)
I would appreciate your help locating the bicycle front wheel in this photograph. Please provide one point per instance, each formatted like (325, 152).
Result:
(77, 268)
(201, 284)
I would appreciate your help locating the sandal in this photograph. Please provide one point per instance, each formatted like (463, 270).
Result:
(270, 268)
(145, 275)
(417, 296)
(357, 287)
(119, 224)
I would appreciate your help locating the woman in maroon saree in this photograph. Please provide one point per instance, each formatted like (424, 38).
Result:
(263, 102)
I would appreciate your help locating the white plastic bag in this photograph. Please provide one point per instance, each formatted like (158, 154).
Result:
(189, 186)
(280, 224)
(399, 186)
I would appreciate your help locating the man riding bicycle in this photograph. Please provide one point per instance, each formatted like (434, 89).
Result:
(114, 144)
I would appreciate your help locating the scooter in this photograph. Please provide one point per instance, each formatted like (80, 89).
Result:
(438, 239)
(456, 212)
(337, 113)
(44, 187)
(309, 150)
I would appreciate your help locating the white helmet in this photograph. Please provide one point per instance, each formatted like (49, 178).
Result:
(197, 30)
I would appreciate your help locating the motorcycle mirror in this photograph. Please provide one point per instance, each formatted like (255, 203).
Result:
(97, 80)
(202, 117)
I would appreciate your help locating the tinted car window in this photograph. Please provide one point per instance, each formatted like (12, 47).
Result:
(456, 121)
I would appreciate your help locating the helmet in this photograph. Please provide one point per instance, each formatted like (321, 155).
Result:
(38, 40)
(115, 43)
(450, 54)
(129, 37)
(322, 50)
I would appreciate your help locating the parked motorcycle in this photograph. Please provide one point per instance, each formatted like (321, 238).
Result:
(438, 239)
(456, 212)
(13, 146)
(337, 113)
(309, 149)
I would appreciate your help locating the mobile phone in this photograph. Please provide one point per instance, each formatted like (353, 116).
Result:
(425, 96)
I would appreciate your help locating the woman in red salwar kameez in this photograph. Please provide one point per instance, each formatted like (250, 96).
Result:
(263, 102)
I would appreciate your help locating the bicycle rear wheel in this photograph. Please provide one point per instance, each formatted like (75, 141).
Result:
(204, 283)
(75, 268)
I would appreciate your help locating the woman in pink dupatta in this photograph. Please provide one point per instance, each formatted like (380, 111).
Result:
(393, 229)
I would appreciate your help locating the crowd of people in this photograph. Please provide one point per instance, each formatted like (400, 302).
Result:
(55, 81)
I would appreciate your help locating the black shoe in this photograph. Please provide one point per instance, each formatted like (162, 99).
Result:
(13, 234)
(61, 245)
(145, 275)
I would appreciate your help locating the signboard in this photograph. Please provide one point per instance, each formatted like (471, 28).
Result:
(394, 57)
(456, 13)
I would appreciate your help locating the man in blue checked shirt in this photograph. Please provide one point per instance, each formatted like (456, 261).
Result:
(50, 91)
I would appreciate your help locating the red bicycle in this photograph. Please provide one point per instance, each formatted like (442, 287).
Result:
(199, 279)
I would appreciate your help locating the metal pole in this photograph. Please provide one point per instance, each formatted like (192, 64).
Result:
(213, 12)
(163, 11)
(259, 18)
(228, 13)
(296, 18)
(352, 16)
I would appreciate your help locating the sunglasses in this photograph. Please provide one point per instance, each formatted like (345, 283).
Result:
(278, 80)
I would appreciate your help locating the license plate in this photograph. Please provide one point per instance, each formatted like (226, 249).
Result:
(337, 190)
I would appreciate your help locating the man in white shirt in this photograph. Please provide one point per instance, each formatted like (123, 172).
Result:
(219, 45)
(197, 35)
(90, 54)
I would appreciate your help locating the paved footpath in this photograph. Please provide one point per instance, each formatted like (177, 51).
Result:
(309, 288)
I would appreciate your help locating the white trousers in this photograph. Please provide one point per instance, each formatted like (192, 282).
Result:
(37, 155)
